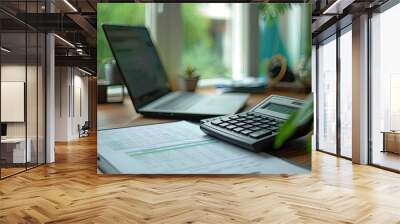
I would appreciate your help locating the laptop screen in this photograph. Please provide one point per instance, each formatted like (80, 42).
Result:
(138, 62)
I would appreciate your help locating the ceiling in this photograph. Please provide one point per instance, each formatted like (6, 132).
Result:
(75, 22)
(331, 15)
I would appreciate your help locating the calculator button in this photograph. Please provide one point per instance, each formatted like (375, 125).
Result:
(223, 124)
(241, 115)
(257, 123)
(232, 121)
(234, 117)
(240, 124)
(273, 128)
(216, 122)
(247, 126)
(230, 127)
(255, 128)
(241, 119)
(260, 134)
(246, 132)
(225, 119)
(264, 126)
(238, 129)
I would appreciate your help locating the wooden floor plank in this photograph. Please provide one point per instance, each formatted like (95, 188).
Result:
(70, 191)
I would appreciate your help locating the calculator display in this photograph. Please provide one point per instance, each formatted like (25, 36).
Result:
(279, 108)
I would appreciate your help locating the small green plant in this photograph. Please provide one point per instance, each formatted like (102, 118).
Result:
(190, 72)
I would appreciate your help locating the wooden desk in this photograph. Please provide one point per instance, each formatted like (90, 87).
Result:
(124, 115)
(391, 141)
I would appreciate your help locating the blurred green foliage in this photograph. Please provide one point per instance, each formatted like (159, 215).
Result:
(199, 48)
(272, 12)
(113, 13)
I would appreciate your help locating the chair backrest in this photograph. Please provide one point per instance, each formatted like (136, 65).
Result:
(86, 125)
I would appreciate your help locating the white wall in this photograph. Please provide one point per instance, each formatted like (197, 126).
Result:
(70, 84)
(12, 73)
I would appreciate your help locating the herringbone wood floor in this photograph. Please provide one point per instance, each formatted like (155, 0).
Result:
(70, 191)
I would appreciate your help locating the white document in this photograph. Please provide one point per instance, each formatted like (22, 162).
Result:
(180, 148)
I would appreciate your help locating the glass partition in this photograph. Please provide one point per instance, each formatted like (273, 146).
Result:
(14, 144)
(22, 101)
(327, 96)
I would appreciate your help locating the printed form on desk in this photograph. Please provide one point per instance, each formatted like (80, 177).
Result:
(180, 148)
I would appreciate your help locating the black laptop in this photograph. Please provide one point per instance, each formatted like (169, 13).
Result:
(147, 84)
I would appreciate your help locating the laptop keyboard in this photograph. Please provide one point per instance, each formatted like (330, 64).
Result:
(181, 102)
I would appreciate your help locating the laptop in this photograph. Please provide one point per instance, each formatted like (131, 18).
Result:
(146, 80)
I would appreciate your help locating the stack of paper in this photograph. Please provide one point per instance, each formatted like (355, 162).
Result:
(180, 148)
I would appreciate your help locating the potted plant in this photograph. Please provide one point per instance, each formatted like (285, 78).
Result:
(190, 79)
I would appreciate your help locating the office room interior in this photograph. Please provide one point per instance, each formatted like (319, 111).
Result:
(54, 99)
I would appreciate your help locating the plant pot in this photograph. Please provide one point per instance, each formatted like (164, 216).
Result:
(190, 84)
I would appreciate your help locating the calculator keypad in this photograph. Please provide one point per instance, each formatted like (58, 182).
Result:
(249, 124)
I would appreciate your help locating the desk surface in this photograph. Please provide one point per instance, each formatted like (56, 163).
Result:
(124, 115)
(13, 140)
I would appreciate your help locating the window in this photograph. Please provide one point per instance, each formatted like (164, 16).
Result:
(207, 38)
(346, 94)
(333, 106)
(385, 88)
(327, 96)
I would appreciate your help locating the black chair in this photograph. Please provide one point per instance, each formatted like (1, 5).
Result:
(84, 130)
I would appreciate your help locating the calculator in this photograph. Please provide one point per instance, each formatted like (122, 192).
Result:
(255, 129)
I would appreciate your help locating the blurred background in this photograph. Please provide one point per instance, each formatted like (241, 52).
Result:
(222, 41)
